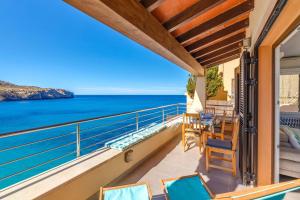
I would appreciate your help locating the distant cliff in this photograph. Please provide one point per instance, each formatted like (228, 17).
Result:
(12, 92)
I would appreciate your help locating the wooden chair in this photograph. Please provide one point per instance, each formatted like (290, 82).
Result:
(218, 132)
(229, 124)
(211, 110)
(191, 128)
(133, 192)
(226, 147)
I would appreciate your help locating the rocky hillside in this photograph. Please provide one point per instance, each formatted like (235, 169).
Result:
(12, 92)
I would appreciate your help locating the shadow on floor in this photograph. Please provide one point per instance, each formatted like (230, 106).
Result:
(136, 174)
(172, 161)
(218, 180)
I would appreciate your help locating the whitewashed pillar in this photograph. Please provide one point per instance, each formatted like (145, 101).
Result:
(198, 103)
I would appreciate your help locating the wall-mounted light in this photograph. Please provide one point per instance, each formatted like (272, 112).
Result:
(247, 42)
(128, 156)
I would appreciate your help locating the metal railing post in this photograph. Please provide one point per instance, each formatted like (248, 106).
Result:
(137, 121)
(163, 116)
(78, 140)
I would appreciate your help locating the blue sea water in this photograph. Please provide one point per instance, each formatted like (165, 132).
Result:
(17, 164)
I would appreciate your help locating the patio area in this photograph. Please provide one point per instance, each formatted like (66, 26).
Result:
(172, 161)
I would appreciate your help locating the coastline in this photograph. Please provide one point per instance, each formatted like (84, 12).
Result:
(12, 92)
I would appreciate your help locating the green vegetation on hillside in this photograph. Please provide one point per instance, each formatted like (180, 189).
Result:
(214, 81)
(191, 85)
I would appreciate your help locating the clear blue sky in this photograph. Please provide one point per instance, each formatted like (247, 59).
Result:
(48, 43)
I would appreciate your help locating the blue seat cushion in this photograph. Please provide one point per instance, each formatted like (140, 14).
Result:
(206, 116)
(223, 144)
(139, 192)
(207, 122)
(189, 188)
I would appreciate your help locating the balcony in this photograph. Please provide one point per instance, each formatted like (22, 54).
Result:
(148, 152)
(125, 148)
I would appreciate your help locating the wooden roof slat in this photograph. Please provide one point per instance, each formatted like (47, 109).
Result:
(231, 40)
(218, 35)
(190, 13)
(223, 61)
(218, 20)
(151, 4)
(219, 52)
(222, 57)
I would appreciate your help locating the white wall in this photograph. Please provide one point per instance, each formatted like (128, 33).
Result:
(198, 103)
(228, 75)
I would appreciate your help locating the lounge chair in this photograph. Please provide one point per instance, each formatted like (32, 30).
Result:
(186, 188)
(140, 191)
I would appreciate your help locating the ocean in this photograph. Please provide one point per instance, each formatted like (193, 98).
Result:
(19, 163)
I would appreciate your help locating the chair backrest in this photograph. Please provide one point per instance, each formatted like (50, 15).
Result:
(187, 187)
(223, 121)
(136, 191)
(211, 110)
(235, 132)
(231, 113)
(192, 120)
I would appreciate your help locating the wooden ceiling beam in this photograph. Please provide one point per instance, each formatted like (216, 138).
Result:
(150, 5)
(224, 43)
(223, 61)
(129, 18)
(222, 57)
(191, 13)
(239, 26)
(219, 52)
(217, 21)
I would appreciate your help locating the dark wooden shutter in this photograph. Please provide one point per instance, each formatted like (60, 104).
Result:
(247, 108)
(237, 90)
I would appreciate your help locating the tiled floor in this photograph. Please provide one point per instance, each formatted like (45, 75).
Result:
(171, 161)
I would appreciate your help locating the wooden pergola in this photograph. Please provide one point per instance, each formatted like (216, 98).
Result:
(193, 34)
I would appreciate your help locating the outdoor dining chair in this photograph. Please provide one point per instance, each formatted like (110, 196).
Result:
(190, 187)
(139, 191)
(191, 128)
(230, 115)
(210, 110)
(218, 131)
(225, 147)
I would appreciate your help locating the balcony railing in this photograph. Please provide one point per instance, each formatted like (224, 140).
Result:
(27, 153)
